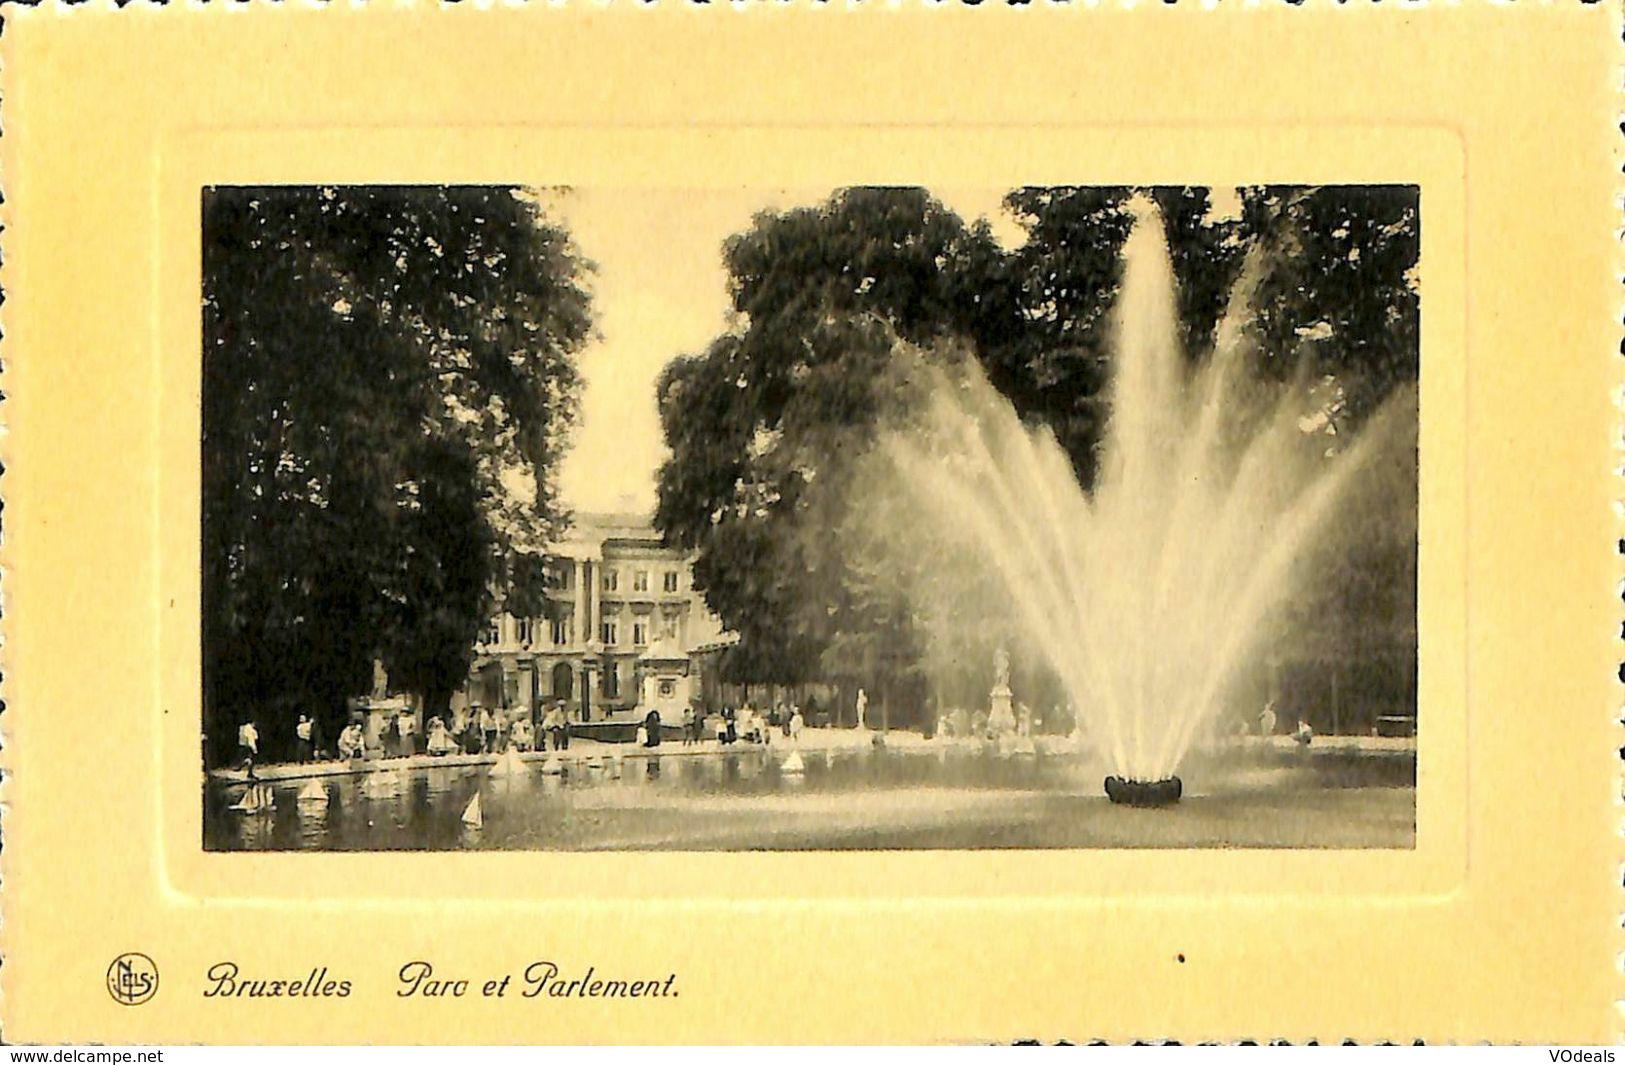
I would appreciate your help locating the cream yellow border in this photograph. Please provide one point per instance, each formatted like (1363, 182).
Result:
(1501, 924)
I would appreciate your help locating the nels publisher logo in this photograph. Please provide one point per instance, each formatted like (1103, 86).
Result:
(132, 979)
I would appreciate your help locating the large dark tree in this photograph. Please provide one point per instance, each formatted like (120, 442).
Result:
(765, 426)
(388, 381)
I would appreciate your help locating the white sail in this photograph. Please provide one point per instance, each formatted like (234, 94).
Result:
(552, 765)
(313, 793)
(471, 814)
(256, 799)
(793, 764)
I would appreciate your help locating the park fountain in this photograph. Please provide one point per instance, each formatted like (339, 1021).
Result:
(1147, 595)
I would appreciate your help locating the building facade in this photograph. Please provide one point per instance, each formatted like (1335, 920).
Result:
(624, 631)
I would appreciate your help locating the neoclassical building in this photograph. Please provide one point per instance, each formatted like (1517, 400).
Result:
(624, 630)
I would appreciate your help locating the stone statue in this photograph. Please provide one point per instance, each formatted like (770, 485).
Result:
(380, 679)
(1001, 718)
(863, 707)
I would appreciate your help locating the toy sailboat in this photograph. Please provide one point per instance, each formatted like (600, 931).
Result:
(552, 765)
(508, 765)
(257, 799)
(472, 815)
(793, 764)
(313, 794)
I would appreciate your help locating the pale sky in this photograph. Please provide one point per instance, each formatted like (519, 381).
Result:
(660, 291)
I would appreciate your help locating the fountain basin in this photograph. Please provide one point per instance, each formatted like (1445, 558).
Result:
(1164, 792)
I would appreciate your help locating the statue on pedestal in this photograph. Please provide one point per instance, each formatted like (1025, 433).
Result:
(1001, 719)
(380, 679)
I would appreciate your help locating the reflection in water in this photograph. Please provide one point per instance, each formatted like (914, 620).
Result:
(313, 815)
(945, 796)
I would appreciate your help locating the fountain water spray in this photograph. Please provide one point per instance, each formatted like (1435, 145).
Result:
(1145, 596)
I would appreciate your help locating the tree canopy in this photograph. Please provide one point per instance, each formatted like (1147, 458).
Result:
(835, 303)
(765, 422)
(388, 385)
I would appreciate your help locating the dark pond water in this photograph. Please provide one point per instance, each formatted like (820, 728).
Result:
(918, 799)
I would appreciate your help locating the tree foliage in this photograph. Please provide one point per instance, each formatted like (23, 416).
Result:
(766, 427)
(388, 384)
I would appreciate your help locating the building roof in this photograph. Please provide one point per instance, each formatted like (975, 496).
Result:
(596, 527)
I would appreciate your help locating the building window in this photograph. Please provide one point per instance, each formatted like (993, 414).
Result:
(640, 633)
(611, 580)
(670, 625)
(491, 634)
(668, 687)
(524, 629)
(561, 631)
(671, 581)
(640, 580)
(612, 681)
(558, 577)
(607, 633)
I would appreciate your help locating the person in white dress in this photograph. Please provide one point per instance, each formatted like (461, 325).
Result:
(248, 746)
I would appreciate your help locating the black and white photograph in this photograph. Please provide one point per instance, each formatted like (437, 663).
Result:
(825, 519)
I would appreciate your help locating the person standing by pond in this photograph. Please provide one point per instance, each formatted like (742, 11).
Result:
(488, 731)
(521, 734)
(554, 724)
(440, 741)
(304, 734)
(248, 746)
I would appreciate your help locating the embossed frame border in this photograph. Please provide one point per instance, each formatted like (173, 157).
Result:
(1503, 924)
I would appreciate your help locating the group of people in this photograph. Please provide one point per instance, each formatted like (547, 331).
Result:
(481, 730)
(747, 723)
(484, 730)
(1303, 734)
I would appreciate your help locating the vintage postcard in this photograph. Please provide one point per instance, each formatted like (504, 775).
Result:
(792, 525)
